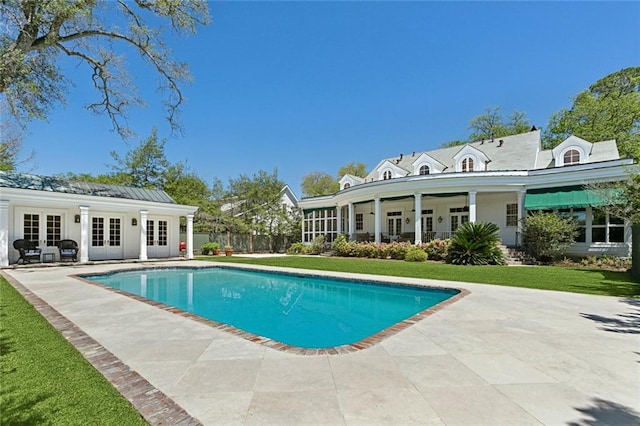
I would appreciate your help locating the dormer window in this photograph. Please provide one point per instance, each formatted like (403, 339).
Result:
(571, 157)
(424, 170)
(386, 175)
(346, 185)
(467, 164)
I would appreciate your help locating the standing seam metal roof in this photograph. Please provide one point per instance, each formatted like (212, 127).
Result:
(62, 185)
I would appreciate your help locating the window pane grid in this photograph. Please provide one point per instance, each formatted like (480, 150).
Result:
(150, 232)
(31, 228)
(97, 232)
(114, 232)
(54, 227)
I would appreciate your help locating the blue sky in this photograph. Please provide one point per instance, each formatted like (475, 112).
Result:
(311, 86)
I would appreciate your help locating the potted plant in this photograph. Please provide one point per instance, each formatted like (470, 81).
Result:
(228, 250)
(211, 248)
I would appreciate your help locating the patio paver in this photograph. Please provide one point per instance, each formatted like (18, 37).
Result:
(500, 355)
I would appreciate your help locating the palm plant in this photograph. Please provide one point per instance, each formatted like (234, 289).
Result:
(476, 244)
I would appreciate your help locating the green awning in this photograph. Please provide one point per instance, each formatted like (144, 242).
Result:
(565, 197)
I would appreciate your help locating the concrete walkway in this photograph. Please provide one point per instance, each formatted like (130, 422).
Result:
(499, 356)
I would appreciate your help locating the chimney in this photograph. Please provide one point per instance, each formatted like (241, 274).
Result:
(500, 142)
(482, 141)
(491, 136)
(400, 157)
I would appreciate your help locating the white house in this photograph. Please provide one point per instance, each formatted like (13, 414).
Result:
(426, 195)
(107, 221)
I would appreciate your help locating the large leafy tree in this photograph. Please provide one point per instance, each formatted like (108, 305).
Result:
(321, 183)
(608, 109)
(318, 183)
(96, 33)
(144, 166)
(257, 204)
(493, 124)
(353, 168)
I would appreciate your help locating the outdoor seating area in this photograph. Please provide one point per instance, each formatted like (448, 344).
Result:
(30, 252)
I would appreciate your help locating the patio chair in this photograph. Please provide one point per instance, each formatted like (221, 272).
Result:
(29, 252)
(68, 250)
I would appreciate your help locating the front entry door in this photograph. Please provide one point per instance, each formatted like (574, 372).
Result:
(157, 238)
(106, 238)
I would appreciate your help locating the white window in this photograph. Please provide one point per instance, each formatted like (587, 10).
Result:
(570, 157)
(359, 222)
(606, 228)
(346, 185)
(386, 175)
(424, 170)
(512, 214)
(467, 164)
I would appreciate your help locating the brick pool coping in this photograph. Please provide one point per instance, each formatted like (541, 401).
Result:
(273, 344)
(153, 405)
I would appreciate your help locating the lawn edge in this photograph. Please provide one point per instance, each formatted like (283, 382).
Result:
(153, 405)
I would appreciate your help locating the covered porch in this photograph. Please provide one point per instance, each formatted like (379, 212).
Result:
(416, 218)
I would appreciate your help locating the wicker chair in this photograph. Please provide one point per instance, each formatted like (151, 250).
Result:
(68, 250)
(29, 252)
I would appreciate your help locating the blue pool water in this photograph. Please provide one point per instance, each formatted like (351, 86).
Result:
(303, 311)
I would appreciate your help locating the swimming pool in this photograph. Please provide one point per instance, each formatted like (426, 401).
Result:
(299, 310)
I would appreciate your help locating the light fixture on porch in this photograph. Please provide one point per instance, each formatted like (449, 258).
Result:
(76, 218)
(407, 220)
(439, 219)
(134, 221)
(371, 212)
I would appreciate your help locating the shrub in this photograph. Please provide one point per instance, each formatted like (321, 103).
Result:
(476, 244)
(317, 245)
(546, 236)
(210, 248)
(415, 254)
(297, 248)
(436, 249)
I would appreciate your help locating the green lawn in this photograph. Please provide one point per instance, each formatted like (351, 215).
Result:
(44, 380)
(575, 280)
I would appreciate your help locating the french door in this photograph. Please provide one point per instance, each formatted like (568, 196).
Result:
(394, 223)
(106, 238)
(157, 237)
(45, 228)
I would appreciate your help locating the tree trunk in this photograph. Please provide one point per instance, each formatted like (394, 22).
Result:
(635, 249)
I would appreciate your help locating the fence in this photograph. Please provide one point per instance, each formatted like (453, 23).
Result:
(239, 242)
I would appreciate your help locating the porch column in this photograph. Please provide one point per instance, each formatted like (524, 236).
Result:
(521, 195)
(190, 236)
(84, 234)
(4, 232)
(143, 234)
(338, 220)
(377, 220)
(418, 217)
(472, 206)
(352, 220)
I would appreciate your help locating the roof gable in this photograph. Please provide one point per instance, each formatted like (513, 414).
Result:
(425, 159)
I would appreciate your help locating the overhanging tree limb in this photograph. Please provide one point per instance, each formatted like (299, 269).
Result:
(31, 82)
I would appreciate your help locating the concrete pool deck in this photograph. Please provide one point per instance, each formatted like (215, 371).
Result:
(499, 356)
